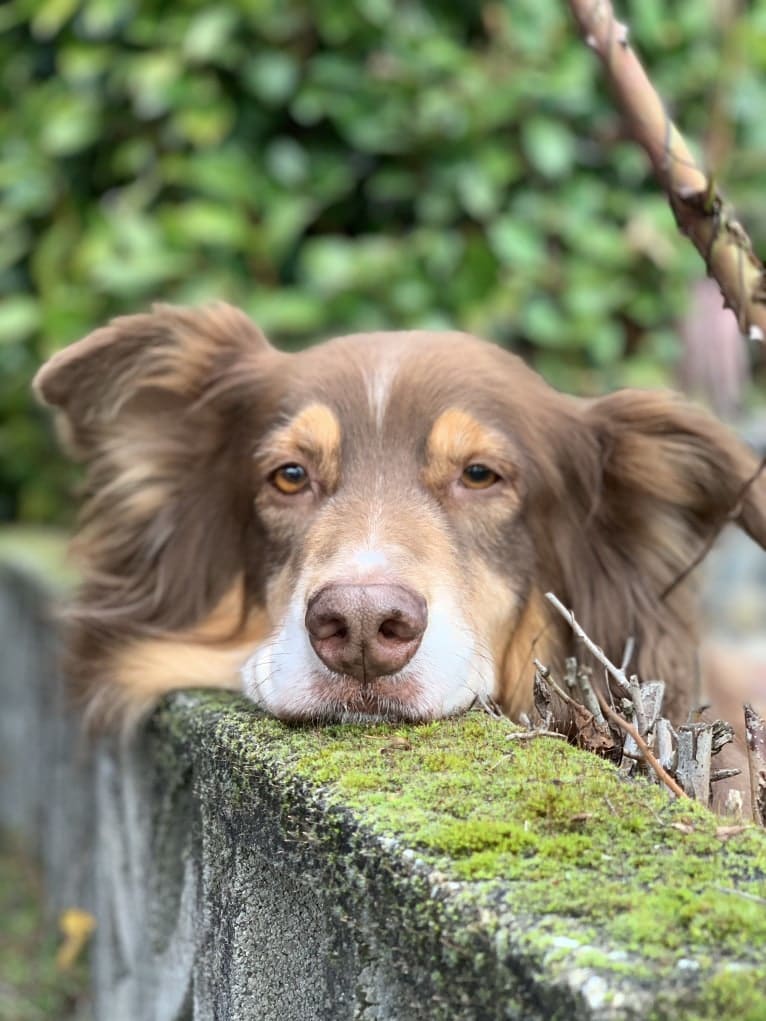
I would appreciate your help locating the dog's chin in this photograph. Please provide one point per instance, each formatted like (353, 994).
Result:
(338, 698)
(328, 713)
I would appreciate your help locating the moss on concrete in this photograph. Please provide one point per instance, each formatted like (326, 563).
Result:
(579, 864)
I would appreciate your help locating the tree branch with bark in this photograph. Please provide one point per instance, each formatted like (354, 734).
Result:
(700, 211)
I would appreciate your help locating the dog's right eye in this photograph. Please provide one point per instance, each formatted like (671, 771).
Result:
(290, 479)
(478, 476)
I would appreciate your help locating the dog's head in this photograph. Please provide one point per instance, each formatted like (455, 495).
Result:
(374, 520)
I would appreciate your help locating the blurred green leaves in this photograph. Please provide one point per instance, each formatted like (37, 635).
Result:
(549, 146)
(335, 167)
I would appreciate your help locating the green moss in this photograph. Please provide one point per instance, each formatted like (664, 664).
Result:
(546, 831)
(461, 837)
(728, 995)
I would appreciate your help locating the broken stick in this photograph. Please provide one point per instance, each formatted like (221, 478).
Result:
(755, 733)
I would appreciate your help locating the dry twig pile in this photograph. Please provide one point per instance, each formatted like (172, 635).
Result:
(622, 720)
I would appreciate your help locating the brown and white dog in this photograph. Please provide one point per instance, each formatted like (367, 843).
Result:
(365, 529)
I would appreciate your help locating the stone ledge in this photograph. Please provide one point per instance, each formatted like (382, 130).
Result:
(432, 872)
(240, 868)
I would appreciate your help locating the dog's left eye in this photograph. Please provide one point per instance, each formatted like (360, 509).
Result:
(290, 479)
(479, 476)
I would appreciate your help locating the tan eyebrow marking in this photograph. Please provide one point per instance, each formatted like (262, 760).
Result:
(315, 434)
(455, 439)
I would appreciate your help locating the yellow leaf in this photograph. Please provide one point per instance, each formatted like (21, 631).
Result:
(76, 927)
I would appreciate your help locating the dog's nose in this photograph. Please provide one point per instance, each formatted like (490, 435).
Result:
(366, 631)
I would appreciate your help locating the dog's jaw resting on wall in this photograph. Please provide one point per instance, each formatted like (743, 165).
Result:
(365, 529)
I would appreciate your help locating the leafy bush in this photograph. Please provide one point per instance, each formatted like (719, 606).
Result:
(340, 166)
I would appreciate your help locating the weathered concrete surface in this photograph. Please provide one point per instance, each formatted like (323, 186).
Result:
(45, 771)
(241, 869)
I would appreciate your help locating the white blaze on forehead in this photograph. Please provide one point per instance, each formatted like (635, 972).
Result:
(368, 559)
(380, 378)
(359, 563)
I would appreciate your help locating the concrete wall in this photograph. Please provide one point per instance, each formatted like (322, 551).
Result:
(45, 765)
(240, 869)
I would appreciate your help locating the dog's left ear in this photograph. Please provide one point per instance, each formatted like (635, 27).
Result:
(662, 455)
(648, 481)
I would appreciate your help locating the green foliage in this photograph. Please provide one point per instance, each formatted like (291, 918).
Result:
(339, 166)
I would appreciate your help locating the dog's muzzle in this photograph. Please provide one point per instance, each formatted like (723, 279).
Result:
(366, 631)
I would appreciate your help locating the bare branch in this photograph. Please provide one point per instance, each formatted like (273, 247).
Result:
(595, 650)
(652, 694)
(527, 735)
(580, 725)
(627, 655)
(724, 774)
(695, 749)
(663, 742)
(698, 207)
(628, 728)
(755, 733)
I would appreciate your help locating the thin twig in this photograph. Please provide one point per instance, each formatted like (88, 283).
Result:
(638, 703)
(698, 206)
(741, 893)
(488, 705)
(545, 673)
(663, 743)
(595, 650)
(724, 774)
(527, 735)
(623, 724)
(695, 749)
(588, 695)
(755, 741)
(627, 655)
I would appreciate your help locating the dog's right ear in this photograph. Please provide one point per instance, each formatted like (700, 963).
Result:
(165, 409)
(171, 354)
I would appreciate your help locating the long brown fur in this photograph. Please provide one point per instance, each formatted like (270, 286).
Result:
(163, 531)
(165, 409)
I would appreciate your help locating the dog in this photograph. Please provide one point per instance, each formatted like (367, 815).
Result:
(365, 530)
